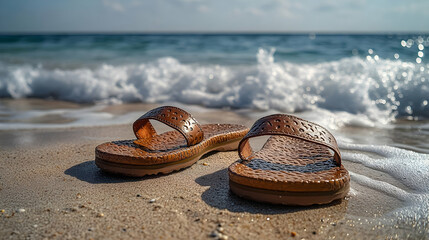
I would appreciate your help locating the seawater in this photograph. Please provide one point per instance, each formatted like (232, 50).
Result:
(382, 77)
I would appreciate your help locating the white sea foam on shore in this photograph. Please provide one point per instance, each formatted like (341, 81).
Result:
(407, 167)
(95, 115)
(83, 117)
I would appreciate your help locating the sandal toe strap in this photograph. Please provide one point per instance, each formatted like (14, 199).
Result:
(174, 117)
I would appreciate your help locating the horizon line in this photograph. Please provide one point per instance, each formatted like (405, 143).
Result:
(209, 32)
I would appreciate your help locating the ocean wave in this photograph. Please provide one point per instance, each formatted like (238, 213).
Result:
(378, 88)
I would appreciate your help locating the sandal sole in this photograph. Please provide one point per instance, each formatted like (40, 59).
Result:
(143, 170)
(286, 197)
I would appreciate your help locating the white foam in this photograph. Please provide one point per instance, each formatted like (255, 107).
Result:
(373, 91)
(84, 117)
(407, 167)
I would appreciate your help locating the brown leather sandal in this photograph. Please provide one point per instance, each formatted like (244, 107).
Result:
(294, 167)
(151, 153)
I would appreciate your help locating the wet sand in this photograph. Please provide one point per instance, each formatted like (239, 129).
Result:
(50, 188)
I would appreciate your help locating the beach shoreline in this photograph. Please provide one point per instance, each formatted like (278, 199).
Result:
(51, 188)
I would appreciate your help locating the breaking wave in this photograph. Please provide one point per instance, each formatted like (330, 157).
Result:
(378, 88)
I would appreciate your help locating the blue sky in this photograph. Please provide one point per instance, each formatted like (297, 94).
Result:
(214, 15)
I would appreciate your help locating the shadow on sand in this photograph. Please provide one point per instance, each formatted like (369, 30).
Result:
(90, 173)
(219, 196)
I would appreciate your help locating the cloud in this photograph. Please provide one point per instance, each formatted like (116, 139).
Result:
(356, 4)
(325, 7)
(135, 3)
(246, 11)
(281, 7)
(190, 1)
(345, 5)
(415, 7)
(255, 11)
(203, 9)
(114, 5)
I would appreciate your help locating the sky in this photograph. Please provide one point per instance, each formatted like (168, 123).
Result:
(214, 16)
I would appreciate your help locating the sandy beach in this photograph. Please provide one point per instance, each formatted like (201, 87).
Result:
(50, 188)
(78, 74)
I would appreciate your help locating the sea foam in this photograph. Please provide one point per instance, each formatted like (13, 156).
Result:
(381, 89)
(407, 167)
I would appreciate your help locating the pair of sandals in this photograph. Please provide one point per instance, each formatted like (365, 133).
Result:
(300, 163)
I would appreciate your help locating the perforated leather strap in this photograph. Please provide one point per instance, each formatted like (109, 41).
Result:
(174, 117)
(280, 124)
